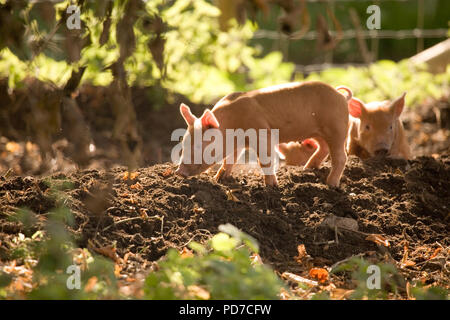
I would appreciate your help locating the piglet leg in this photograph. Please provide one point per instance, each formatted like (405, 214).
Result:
(227, 166)
(338, 160)
(321, 153)
(266, 160)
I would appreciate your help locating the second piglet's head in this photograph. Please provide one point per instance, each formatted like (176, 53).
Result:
(295, 153)
(193, 146)
(378, 123)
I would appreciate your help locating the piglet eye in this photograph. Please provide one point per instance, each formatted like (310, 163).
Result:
(367, 127)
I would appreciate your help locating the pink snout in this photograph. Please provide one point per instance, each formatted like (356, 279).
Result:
(381, 149)
(181, 172)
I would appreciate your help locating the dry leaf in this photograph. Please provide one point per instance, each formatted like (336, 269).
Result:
(378, 239)
(231, 196)
(256, 259)
(186, 253)
(136, 186)
(90, 284)
(284, 295)
(143, 213)
(301, 253)
(117, 270)
(126, 256)
(405, 262)
(130, 175)
(435, 253)
(167, 172)
(340, 294)
(12, 147)
(319, 274)
(199, 292)
(198, 210)
(133, 175)
(408, 291)
(107, 251)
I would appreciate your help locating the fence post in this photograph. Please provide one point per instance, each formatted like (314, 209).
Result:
(420, 24)
(375, 41)
(359, 36)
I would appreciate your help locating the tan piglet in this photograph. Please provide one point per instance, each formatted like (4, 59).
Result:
(376, 128)
(298, 110)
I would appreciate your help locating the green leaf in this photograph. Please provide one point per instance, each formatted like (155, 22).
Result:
(223, 242)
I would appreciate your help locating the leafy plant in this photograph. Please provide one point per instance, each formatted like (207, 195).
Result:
(221, 270)
(431, 293)
(388, 278)
(48, 254)
(390, 281)
(387, 80)
(176, 45)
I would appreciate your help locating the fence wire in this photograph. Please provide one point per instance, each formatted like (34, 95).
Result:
(359, 34)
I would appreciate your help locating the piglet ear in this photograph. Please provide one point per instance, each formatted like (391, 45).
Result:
(209, 120)
(398, 105)
(187, 115)
(310, 143)
(355, 107)
(281, 149)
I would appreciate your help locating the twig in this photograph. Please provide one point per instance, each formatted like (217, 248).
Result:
(43, 44)
(346, 260)
(195, 235)
(162, 227)
(121, 221)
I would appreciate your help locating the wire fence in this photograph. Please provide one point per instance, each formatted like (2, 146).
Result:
(359, 32)
(351, 34)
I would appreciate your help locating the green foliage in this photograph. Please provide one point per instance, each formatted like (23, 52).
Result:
(201, 61)
(180, 47)
(387, 80)
(396, 15)
(390, 282)
(24, 247)
(53, 251)
(221, 270)
(177, 46)
(431, 293)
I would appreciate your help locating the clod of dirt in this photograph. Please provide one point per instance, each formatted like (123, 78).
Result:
(334, 222)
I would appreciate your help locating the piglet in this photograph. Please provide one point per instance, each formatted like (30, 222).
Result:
(296, 153)
(376, 129)
(298, 110)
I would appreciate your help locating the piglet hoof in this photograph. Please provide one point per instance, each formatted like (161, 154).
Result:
(270, 181)
(311, 167)
(221, 175)
(333, 184)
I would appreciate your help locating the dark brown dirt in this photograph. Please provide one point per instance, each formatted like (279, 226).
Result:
(427, 128)
(407, 202)
(400, 200)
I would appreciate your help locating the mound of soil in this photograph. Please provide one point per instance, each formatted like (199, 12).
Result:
(427, 129)
(406, 202)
